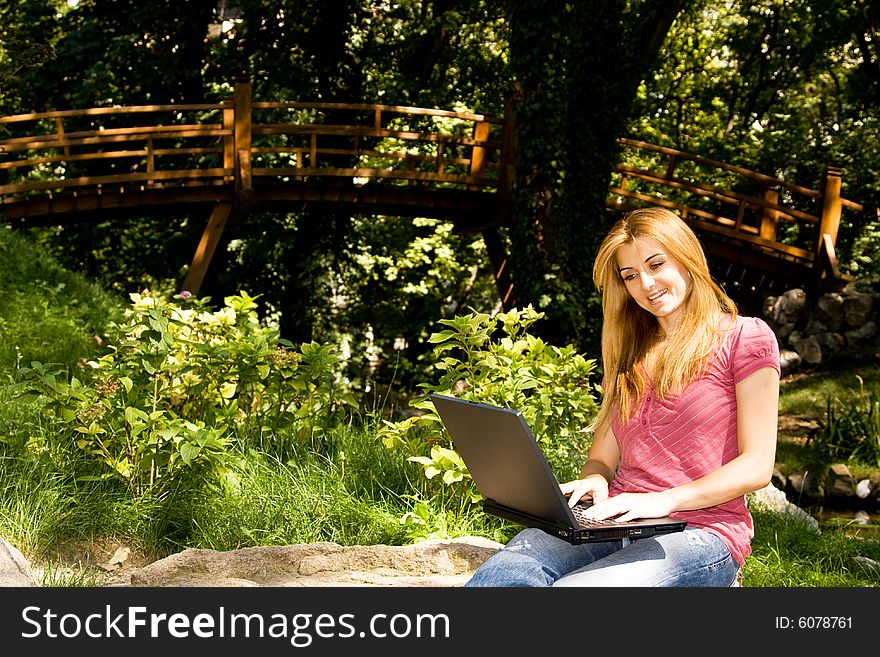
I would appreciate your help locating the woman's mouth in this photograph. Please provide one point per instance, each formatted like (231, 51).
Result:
(655, 298)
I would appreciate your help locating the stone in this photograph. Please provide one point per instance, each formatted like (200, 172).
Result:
(786, 330)
(860, 334)
(806, 487)
(778, 480)
(15, 571)
(787, 307)
(773, 499)
(831, 342)
(809, 350)
(839, 482)
(815, 327)
(829, 310)
(789, 361)
(868, 564)
(857, 307)
(429, 563)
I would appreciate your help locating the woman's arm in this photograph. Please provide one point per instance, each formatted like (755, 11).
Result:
(757, 399)
(598, 469)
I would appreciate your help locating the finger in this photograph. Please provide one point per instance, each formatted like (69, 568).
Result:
(576, 496)
(602, 510)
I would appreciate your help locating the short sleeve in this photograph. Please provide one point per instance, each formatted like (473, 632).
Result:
(754, 347)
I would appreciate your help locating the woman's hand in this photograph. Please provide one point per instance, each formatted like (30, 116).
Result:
(629, 506)
(594, 486)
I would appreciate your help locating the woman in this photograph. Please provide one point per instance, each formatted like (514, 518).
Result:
(687, 424)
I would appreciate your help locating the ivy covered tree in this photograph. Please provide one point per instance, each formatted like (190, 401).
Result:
(577, 67)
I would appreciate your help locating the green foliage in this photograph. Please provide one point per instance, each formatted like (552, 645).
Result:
(378, 300)
(180, 383)
(46, 311)
(850, 430)
(494, 359)
(435, 518)
(806, 101)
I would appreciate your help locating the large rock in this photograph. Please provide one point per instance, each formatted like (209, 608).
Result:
(430, 563)
(839, 483)
(771, 498)
(14, 568)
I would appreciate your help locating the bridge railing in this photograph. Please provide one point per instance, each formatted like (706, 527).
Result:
(239, 141)
(111, 147)
(791, 221)
(240, 144)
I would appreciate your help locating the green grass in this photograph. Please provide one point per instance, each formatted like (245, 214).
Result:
(786, 553)
(807, 393)
(47, 313)
(357, 493)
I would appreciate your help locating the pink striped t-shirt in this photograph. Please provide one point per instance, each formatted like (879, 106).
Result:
(672, 441)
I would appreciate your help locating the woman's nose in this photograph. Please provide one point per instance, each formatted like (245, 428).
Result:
(647, 280)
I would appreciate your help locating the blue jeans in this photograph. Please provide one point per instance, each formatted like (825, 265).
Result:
(692, 557)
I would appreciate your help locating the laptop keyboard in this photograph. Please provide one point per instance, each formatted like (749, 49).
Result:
(579, 512)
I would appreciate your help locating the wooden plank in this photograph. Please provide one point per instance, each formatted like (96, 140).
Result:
(107, 155)
(341, 130)
(195, 275)
(373, 108)
(51, 143)
(376, 174)
(712, 225)
(715, 164)
(121, 178)
(103, 111)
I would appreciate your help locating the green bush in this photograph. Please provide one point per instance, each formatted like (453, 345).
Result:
(180, 384)
(850, 430)
(495, 360)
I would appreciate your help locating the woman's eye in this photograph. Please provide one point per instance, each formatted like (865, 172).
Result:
(656, 265)
(629, 277)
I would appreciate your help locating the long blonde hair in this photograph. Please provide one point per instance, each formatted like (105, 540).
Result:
(629, 331)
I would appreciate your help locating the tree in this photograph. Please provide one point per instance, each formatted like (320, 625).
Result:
(577, 67)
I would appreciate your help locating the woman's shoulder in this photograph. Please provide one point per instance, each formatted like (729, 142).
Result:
(745, 326)
(751, 340)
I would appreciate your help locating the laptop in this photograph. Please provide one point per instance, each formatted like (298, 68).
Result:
(515, 481)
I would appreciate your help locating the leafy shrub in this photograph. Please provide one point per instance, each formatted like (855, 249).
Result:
(495, 360)
(850, 429)
(179, 384)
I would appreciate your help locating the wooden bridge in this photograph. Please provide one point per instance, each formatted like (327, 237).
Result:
(232, 158)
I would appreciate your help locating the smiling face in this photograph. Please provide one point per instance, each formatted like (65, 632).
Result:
(655, 279)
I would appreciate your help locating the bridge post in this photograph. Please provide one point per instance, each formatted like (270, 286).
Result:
(229, 141)
(769, 217)
(198, 268)
(829, 220)
(242, 102)
(478, 153)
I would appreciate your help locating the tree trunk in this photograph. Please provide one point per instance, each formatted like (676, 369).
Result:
(577, 67)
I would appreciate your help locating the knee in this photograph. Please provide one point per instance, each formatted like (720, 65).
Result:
(519, 563)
